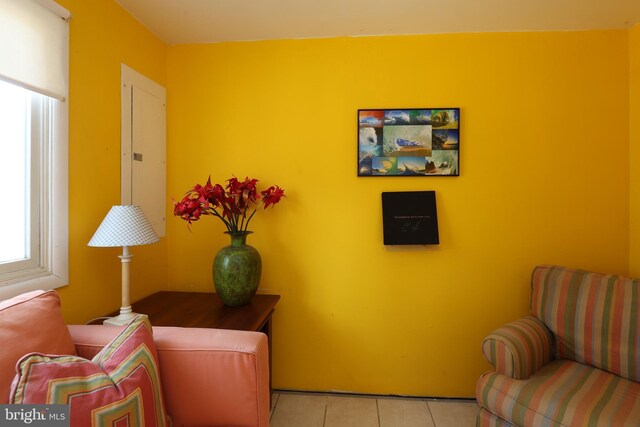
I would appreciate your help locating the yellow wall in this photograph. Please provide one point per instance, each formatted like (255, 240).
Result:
(102, 35)
(634, 147)
(544, 179)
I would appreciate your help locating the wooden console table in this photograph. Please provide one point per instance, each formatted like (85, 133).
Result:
(206, 310)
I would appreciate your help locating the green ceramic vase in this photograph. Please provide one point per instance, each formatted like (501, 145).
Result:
(236, 271)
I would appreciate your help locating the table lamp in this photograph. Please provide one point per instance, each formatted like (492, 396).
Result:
(124, 226)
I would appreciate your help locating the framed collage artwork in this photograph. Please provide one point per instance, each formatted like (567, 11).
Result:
(409, 142)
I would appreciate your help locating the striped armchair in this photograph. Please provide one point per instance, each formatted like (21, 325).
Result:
(574, 362)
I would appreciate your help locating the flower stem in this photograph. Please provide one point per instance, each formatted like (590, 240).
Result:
(252, 214)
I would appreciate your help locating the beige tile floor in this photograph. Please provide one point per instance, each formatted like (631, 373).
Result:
(290, 409)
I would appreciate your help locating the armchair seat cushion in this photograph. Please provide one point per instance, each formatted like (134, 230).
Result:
(565, 393)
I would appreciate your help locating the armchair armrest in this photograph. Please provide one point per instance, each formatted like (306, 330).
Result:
(211, 377)
(519, 348)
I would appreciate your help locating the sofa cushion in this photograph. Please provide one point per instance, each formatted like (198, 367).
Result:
(30, 322)
(562, 393)
(120, 383)
(595, 318)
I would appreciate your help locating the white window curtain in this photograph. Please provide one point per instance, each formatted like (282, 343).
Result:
(33, 59)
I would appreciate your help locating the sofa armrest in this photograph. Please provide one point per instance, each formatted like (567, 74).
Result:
(210, 377)
(519, 348)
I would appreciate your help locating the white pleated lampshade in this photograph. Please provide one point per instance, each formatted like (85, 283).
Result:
(124, 226)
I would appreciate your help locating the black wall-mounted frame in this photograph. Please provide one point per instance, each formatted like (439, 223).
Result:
(410, 218)
(409, 142)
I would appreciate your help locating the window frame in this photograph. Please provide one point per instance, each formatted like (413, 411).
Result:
(53, 269)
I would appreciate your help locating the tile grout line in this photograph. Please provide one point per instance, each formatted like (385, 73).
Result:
(274, 405)
(326, 404)
(430, 413)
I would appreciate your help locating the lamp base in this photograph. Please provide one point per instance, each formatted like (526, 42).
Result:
(125, 316)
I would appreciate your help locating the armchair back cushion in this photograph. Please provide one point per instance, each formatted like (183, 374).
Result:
(31, 322)
(595, 318)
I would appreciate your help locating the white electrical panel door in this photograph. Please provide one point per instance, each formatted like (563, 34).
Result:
(148, 173)
(144, 147)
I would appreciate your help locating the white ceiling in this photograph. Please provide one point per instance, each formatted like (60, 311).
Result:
(207, 21)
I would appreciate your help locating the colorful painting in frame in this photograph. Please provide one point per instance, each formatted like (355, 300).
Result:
(409, 142)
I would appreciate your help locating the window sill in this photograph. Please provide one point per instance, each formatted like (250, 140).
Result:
(45, 282)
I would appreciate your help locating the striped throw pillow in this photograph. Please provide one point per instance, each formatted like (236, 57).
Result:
(119, 387)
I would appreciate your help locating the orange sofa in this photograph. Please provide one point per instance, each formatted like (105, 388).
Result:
(209, 377)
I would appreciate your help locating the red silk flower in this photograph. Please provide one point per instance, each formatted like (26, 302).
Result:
(235, 204)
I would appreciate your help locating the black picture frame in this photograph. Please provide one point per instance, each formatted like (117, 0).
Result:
(410, 218)
(409, 142)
